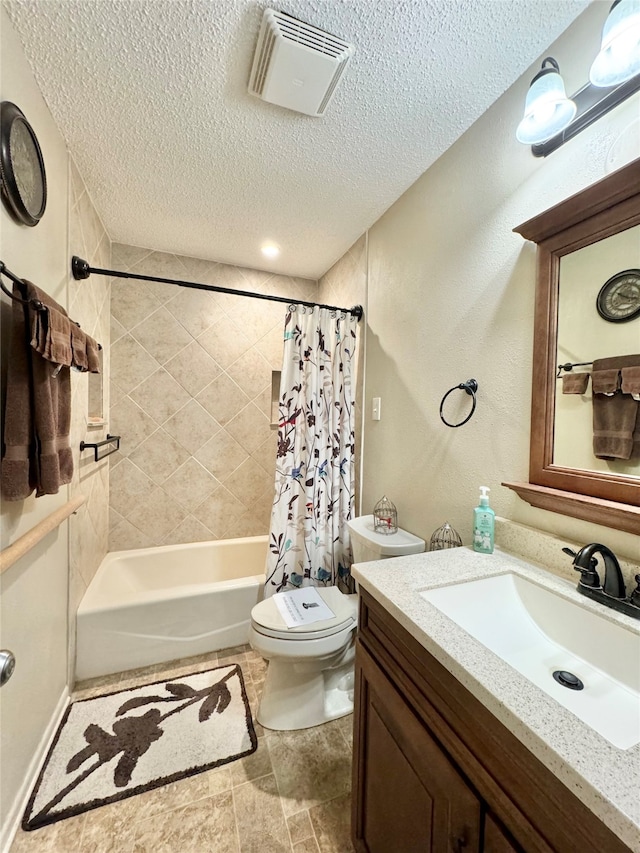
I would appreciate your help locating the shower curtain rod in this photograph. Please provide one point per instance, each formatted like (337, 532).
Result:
(82, 270)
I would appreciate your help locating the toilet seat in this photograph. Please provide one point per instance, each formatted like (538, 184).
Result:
(266, 618)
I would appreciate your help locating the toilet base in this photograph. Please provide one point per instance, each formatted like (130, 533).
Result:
(297, 696)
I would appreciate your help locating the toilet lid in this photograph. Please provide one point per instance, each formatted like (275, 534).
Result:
(267, 619)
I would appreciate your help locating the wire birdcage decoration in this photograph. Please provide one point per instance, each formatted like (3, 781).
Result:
(385, 517)
(445, 537)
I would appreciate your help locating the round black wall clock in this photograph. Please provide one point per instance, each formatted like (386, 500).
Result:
(619, 297)
(23, 182)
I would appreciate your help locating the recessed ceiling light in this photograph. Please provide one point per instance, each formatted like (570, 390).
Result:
(270, 250)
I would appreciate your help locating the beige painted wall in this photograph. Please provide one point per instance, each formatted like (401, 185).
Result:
(36, 612)
(451, 292)
(191, 397)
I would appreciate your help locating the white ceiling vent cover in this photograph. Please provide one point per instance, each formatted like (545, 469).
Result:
(297, 66)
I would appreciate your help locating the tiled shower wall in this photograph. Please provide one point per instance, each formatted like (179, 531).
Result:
(89, 306)
(191, 397)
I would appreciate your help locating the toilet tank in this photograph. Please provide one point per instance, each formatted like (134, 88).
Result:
(368, 545)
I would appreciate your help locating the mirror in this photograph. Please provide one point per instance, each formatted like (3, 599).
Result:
(584, 335)
(578, 240)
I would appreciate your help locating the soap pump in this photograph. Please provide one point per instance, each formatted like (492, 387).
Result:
(483, 524)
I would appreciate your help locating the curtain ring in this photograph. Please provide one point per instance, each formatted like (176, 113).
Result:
(470, 386)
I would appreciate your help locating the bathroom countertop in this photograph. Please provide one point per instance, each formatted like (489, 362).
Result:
(606, 779)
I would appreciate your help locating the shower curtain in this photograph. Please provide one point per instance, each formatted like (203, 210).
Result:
(314, 488)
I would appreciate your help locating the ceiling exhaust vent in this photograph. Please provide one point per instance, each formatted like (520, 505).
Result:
(297, 66)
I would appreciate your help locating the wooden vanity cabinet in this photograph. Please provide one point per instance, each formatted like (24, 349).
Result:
(435, 772)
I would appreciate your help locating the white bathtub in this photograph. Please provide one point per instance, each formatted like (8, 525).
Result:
(158, 604)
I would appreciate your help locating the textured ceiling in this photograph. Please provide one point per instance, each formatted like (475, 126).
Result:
(151, 97)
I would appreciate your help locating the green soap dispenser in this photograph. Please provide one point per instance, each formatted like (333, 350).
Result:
(483, 524)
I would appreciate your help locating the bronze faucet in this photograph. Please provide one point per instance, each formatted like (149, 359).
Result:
(612, 593)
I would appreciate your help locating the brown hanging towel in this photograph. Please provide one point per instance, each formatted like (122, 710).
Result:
(615, 413)
(574, 383)
(37, 455)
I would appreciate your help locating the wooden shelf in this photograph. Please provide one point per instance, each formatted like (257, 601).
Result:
(596, 510)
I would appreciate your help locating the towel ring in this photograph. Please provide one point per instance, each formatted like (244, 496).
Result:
(470, 386)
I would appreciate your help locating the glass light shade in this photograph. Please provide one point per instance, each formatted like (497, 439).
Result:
(547, 109)
(619, 57)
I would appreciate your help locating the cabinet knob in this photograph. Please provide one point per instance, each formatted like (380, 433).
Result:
(460, 843)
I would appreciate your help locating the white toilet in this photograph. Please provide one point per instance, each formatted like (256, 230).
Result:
(310, 679)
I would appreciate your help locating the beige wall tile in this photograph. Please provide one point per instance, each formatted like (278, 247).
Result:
(126, 537)
(219, 511)
(128, 486)
(200, 270)
(117, 330)
(221, 455)
(160, 396)
(158, 514)
(131, 364)
(193, 368)
(162, 265)
(130, 422)
(131, 303)
(218, 352)
(190, 484)
(192, 427)
(248, 482)
(189, 530)
(159, 456)
(250, 428)
(270, 346)
(89, 305)
(196, 310)
(265, 455)
(251, 372)
(225, 342)
(223, 399)
(161, 335)
(126, 257)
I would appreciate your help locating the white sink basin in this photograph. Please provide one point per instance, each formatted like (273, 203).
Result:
(538, 631)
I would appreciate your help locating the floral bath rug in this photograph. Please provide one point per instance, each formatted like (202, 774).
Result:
(111, 747)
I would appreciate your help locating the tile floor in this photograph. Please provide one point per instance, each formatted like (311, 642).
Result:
(290, 796)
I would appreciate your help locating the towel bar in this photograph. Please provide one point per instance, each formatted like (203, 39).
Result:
(110, 439)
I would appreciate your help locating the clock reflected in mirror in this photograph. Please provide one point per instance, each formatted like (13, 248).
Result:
(619, 298)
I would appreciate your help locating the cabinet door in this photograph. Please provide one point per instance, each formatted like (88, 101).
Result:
(495, 838)
(409, 797)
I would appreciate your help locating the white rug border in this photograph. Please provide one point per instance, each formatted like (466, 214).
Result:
(89, 805)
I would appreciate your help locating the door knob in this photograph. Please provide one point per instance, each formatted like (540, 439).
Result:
(7, 665)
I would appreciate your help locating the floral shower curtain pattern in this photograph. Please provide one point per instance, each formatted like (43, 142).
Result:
(314, 488)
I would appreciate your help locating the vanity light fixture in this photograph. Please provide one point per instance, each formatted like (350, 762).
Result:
(619, 57)
(614, 77)
(270, 250)
(547, 110)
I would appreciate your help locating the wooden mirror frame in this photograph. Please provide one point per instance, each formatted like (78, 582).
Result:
(607, 207)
